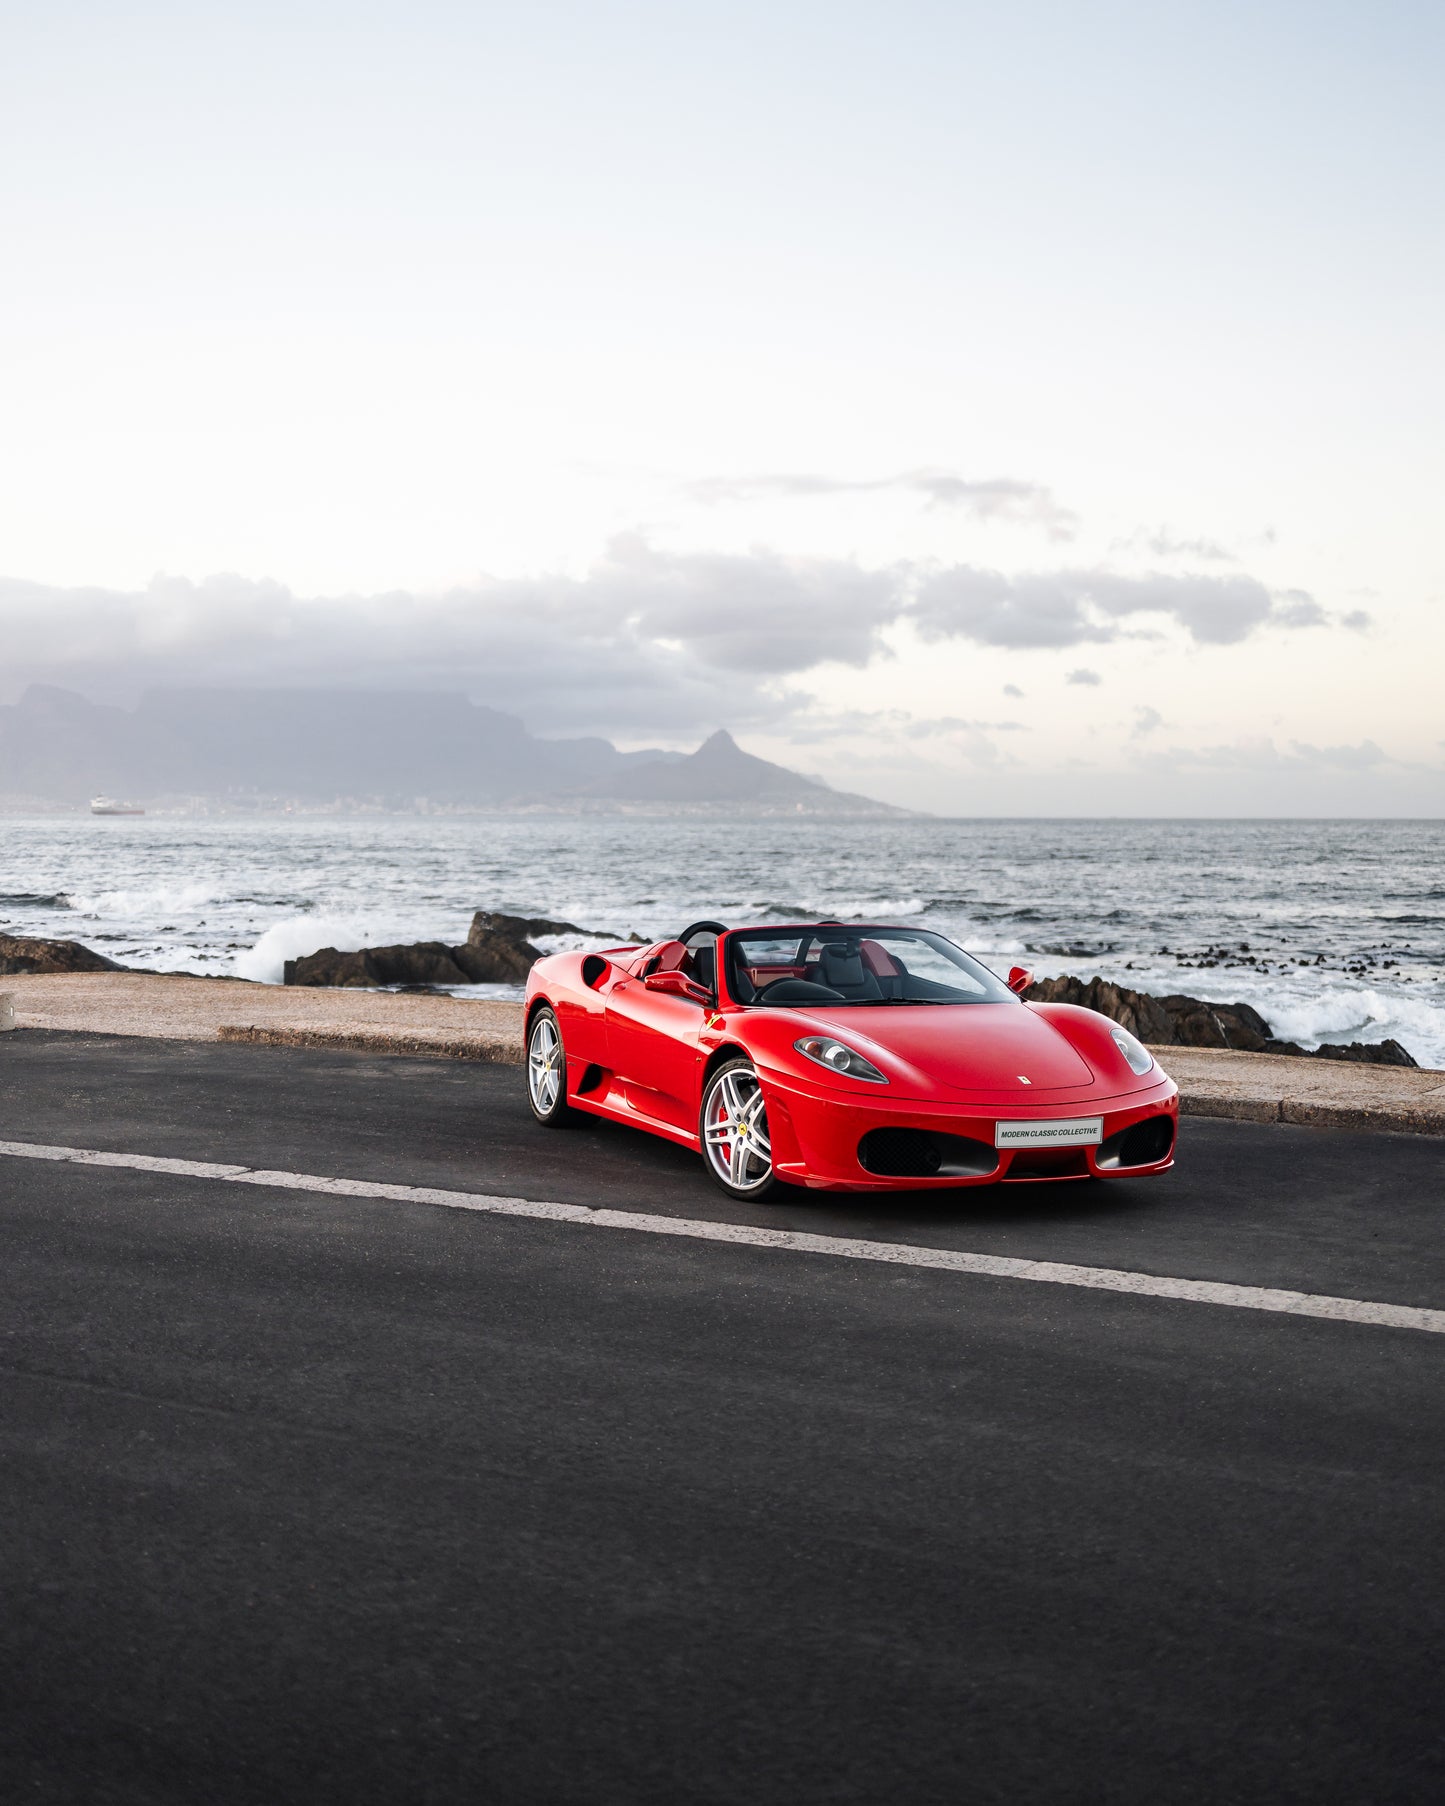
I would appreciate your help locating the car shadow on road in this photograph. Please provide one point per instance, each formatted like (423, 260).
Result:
(1037, 1204)
(661, 1173)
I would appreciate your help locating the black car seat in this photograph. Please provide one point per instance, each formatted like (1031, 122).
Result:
(741, 984)
(841, 968)
(886, 967)
(701, 942)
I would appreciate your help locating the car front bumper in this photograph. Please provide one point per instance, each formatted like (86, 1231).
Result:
(816, 1136)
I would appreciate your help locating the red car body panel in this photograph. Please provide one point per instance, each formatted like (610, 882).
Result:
(642, 1056)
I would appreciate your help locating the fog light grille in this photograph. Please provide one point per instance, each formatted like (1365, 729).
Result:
(905, 1153)
(1143, 1143)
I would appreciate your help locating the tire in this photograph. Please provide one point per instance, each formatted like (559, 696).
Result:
(741, 1163)
(547, 1071)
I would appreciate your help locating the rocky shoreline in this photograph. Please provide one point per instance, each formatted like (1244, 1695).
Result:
(499, 950)
(1179, 1021)
(19, 954)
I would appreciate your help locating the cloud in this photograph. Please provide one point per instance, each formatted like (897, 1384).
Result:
(646, 641)
(1297, 608)
(843, 724)
(1162, 542)
(950, 724)
(1146, 720)
(643, 643)
(1258, 753)
(1090, 607)
(989, 498)
(740, 612)
(1359, 757)
(1082, 676)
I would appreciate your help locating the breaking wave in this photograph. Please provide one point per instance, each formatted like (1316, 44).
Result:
(299, 935)
(26, 899)
(144, 903)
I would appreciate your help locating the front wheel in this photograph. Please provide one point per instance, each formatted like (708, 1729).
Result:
(734, 1130)
(547, 1071)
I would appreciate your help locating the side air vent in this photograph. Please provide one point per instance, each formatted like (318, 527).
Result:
(594, 970)
(1141, 1144)
(591, 1079)
(924, 1154)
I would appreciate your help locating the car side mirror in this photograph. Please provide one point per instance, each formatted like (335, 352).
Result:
(677, 984)
(1019, 980)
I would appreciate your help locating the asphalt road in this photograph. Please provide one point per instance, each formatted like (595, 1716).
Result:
(317, 1498)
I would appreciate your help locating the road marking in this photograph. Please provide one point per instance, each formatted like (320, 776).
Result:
(791, 1241)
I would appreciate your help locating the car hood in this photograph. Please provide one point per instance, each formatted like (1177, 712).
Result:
(962, 1047)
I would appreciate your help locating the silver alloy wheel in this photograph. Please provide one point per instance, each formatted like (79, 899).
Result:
(545, 1064)
(735, 1130)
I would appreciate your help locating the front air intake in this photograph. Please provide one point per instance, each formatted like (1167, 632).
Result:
(1143, 1143)
(924, 1154)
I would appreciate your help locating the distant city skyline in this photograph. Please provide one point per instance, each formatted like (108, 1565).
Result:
(991, 412)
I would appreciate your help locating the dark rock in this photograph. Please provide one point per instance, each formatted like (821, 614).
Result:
(424, 963)
(517, 928)
(1178, 1021)
(492, 958)
(1368, 1053)
(1199, 1024)
(19, 955)
(495, 952)
(1161, 1021)
(1137, 1012)
(488, 956)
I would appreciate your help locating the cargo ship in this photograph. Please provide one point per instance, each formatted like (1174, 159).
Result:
(107, 805)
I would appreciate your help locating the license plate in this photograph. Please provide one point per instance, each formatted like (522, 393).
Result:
(1070, 1132)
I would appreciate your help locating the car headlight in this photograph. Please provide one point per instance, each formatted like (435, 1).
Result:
(838, 1058)
(1135, 1052)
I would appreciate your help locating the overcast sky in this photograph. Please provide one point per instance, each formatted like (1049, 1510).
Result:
(1022, 409)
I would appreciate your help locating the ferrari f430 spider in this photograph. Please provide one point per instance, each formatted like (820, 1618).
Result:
(842, 1057)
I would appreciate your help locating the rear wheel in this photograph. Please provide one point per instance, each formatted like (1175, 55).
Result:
(734, 1129)
(547, 1071)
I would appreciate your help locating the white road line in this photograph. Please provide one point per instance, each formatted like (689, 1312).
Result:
(792, 1241)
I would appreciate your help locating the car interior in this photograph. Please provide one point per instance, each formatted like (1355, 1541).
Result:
(825, 965)
(830, 971)
(833, 965)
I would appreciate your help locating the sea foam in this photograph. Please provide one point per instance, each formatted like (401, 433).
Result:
(299, 935)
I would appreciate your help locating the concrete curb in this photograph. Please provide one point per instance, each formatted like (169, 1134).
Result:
(455, 1046)
(1398, 1119)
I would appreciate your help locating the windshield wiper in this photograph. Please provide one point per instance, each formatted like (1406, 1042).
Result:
(946, 1003)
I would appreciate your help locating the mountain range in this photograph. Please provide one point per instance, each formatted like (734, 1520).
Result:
(396, 749)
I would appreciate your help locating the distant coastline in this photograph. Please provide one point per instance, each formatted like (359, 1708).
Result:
(343, 751)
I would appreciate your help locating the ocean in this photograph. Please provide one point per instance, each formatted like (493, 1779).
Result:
(1333, 930)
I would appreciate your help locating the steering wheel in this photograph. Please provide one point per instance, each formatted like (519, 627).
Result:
(813, 992)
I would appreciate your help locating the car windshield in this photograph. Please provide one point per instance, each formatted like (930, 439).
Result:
(831, 965)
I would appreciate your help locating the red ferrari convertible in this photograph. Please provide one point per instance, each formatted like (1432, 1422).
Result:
(842, 1057)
